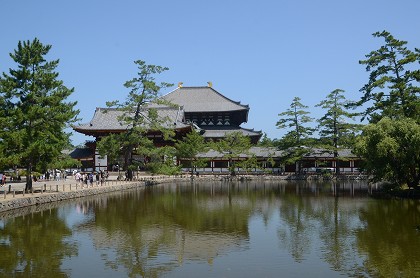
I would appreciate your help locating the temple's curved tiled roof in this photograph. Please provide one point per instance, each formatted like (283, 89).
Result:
(253, 151)
(203, 99)
(107, 119)
(222, 131)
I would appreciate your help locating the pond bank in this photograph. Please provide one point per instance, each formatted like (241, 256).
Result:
(13, 196)
(49, 197)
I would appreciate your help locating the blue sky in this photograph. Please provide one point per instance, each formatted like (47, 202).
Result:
(262, 53)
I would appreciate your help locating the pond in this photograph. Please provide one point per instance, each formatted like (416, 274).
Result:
(216, 229)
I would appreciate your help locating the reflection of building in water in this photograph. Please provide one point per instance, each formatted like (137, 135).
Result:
(207, 246)
(175, 244)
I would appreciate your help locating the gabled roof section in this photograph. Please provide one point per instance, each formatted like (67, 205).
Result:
(260, 152)
(203, 99)
(325, 153)
(107, 120)
(223, 131)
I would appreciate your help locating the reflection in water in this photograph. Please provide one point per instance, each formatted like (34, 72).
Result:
(322, 226)
(218, 229)
(157, 229)
(34, 246)
(390, 238)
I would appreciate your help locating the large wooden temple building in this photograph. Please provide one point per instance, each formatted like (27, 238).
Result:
(202, 108)
(212, 112)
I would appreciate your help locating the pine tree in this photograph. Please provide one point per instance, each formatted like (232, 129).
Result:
(189, 148)
(393, 86)
(34, 112)
(140, 118)
(334, 127)
(297, 140)
(232, 146)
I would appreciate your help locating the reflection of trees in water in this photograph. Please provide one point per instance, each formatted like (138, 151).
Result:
(389, 238)
(156, 229)
(296, 235)
(338, 219)
(328, 223)
(34, 246)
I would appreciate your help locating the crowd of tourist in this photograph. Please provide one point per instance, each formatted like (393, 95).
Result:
(88, 179)
(85, 178)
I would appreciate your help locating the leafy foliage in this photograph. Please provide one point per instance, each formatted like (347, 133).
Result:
(232, 146)
(295, 118)
(161, 161)
(266, 142)
(391, 149)
(335, 127)
(393, 86)
(296, 141)
(249, 164)
(189, 148)
(33, 110)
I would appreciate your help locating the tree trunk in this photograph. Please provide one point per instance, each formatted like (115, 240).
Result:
(337, 163)
(128, 157)
(232, 167)
(28, 186)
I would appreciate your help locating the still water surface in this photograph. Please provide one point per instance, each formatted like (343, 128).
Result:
(216, 229)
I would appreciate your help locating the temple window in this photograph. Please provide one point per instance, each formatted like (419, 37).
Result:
(227, 120)
(203, 120)
(219, 120)
(211, 120)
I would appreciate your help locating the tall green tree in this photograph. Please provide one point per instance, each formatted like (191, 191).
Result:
(391, 149)
(336, 127)
(393, 93)
(34, 110)
(265, 141)
(297, 140)
(393, 85)
(189, 147)
(232, 147)
(140, 118)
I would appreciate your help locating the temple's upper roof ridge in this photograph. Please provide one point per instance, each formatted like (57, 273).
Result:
(203, 99)
(145, 107)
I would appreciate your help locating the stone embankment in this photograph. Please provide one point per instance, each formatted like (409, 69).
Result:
(14, 197)
(43, 198)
